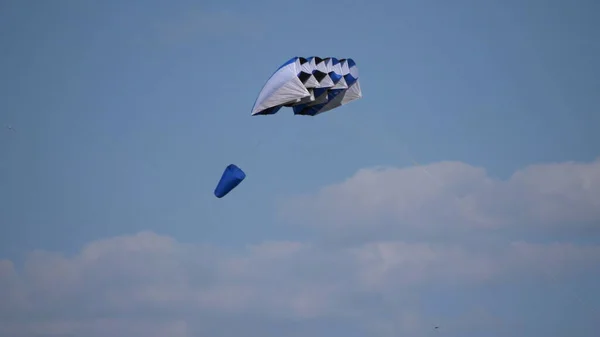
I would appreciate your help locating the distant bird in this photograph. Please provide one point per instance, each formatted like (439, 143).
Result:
(437, 327)
(10, 127)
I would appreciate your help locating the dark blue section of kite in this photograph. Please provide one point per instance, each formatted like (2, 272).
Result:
(232, 176)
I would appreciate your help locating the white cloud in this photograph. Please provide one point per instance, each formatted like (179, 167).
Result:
(452, 196)
(153, 285)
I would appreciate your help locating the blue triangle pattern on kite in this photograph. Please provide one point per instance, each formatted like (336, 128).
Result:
(231, 177)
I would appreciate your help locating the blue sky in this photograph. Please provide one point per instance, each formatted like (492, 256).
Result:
(126, 113)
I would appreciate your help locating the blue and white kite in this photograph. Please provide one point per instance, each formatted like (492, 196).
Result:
(309, 86)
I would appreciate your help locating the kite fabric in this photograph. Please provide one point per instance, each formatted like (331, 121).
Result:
(310, 86)
(231, 177)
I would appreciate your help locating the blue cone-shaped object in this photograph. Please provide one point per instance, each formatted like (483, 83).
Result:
(232, 176)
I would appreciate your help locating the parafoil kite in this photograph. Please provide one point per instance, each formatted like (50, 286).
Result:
(231, 177)
(310, 86)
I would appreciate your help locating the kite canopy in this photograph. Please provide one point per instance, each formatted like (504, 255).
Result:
(231, 177)
(309, 86)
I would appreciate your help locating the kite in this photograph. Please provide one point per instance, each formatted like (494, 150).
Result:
(230, 179)
(310, 86)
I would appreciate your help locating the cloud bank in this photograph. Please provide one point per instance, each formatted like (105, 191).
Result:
(149, 284)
